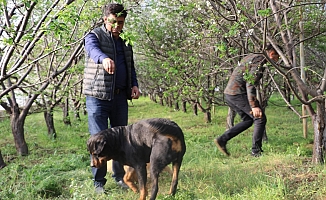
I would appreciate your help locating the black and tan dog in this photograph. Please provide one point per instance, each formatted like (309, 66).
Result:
(156, 141)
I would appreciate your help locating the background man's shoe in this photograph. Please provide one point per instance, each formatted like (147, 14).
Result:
(99, 188)
(122, 184)
(256, 153)
(221, 145)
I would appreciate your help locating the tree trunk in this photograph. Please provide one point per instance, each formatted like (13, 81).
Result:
(77, 116)
(286, 91)
(77, 105)
(195, 109)
(2, 162)
(319, 130)
(170, 100)
(152, 96)
(208, 117)
(161, 101)
(184, 106)
(48, 116)
(167, 101)
(176, 106)
(17, 128)
(265, 138)
(66, 119)
(230, 118)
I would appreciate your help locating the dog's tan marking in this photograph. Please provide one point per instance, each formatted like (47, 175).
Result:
(175, 175)
(176, 144)
(98, 162)
(130, 177)
(143, 193)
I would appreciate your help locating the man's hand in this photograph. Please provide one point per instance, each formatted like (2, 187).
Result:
(135, 92)
(109, 65)
(256, 112)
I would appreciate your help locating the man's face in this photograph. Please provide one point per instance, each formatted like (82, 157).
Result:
(114, 24)
(273, 55)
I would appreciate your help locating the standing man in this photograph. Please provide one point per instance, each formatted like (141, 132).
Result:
(109, 81)
(240, 94)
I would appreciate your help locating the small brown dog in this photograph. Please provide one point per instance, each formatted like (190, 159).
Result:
(156, 141)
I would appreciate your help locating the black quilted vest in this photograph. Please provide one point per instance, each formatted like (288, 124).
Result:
(97, 82)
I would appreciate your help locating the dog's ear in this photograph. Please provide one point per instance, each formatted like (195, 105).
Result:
(99, 146)
(95, 145)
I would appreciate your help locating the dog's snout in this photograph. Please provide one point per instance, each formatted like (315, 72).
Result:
(97, 161)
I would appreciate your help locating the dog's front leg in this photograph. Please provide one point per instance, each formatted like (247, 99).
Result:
(142, 179)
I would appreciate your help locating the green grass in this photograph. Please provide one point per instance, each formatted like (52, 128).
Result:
(59, 169)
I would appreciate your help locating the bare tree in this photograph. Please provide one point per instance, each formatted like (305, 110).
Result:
(2, 162)
(22, 54)
(216, 34)
(307, 94)
(276, 23)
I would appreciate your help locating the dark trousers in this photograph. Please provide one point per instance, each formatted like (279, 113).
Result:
(240, 104)
(99, 112)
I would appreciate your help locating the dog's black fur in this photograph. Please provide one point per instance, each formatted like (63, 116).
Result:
(156, 141)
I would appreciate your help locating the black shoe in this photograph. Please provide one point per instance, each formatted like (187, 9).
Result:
(221, 145)
(256, 153)
(99, 188)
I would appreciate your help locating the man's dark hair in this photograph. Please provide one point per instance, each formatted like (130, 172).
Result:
(115, 9)
(271, 48)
